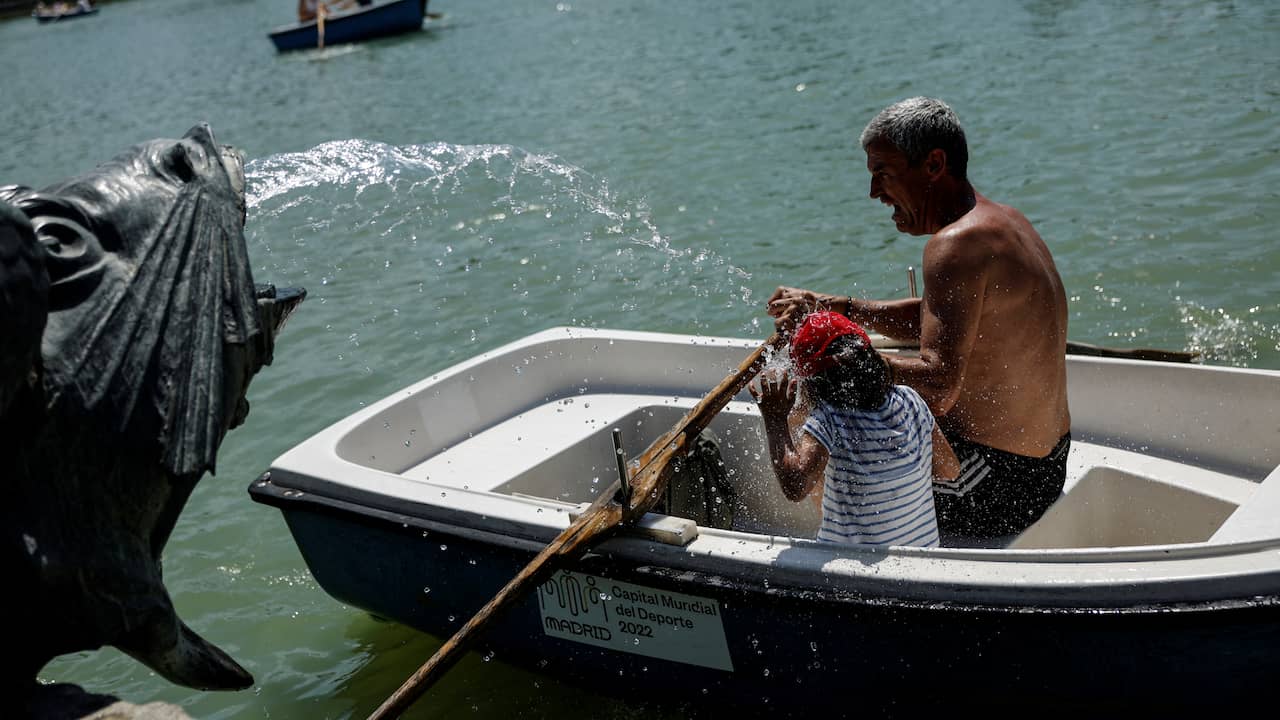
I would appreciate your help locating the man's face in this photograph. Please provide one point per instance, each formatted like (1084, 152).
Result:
(894, 182)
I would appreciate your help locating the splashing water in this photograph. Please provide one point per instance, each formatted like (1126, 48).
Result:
(1226, 339)
(439, 251)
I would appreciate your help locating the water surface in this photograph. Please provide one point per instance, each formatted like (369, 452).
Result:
(642, 165)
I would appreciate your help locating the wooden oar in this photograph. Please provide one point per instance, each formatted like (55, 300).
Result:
(1076, 348)
(320, 13)
(1175, 356)
(649, 474)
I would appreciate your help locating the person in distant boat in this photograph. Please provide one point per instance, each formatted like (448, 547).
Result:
(309, 10)
(991, 325)
(870, 445)
(84, 5)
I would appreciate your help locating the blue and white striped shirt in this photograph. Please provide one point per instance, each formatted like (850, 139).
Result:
(879, 480)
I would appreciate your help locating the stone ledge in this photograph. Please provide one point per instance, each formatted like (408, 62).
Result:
(65, 701)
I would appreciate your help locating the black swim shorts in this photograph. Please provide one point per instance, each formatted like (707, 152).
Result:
(998, 493)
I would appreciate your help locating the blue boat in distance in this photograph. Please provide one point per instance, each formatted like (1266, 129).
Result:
(390, 17)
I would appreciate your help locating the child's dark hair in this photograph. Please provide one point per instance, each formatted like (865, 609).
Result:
(862, 379)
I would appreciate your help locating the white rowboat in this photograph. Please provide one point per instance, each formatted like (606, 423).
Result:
(1154, 578)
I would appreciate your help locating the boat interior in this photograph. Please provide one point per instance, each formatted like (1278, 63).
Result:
(1148, 466)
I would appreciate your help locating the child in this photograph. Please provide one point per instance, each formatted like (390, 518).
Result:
(874, 445)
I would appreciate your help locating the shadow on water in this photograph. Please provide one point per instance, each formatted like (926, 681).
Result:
(387, 653)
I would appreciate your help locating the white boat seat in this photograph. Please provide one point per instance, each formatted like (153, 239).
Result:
(519, 455)
(1117, 498)
(1258, 517)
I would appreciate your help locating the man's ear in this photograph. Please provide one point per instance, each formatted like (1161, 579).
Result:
(935, 163)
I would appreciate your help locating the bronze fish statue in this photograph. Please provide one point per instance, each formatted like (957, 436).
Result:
(132, 328)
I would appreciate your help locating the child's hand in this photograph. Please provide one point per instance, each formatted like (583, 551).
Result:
(776, 394)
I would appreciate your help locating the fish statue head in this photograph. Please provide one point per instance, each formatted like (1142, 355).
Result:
(139, 327)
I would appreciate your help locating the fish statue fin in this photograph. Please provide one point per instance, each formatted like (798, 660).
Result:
(189, 660)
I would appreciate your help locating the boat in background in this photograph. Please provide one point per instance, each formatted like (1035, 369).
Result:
(379, 19)
(1153, 581)
(62, 11)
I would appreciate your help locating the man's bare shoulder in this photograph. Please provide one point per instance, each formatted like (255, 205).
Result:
(973, 238)
(986, 232)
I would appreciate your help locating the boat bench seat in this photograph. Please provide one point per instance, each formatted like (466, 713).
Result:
(1115, 498)
(533, 453)
(1258, 517)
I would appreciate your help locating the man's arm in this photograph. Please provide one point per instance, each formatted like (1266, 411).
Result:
(897, 319)
(955, 286)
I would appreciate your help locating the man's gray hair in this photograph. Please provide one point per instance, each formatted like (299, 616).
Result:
(917, 125)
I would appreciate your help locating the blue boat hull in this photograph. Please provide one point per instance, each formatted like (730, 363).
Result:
(793, 648)
(378, 20)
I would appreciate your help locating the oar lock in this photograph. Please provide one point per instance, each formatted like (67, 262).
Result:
(623, 496)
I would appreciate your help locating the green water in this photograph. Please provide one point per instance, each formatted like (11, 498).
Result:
(642, 165)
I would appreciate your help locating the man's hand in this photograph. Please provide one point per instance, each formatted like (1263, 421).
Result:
(776, 395)
(788, 306)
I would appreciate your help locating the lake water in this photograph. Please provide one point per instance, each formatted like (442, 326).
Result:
(643, 165)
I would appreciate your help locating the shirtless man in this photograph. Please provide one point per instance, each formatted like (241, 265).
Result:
(992, 325)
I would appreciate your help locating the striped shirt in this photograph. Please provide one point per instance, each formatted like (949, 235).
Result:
(878, 487)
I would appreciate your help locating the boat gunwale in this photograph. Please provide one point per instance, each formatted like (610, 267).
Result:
(543, 531)
(1018, 592)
